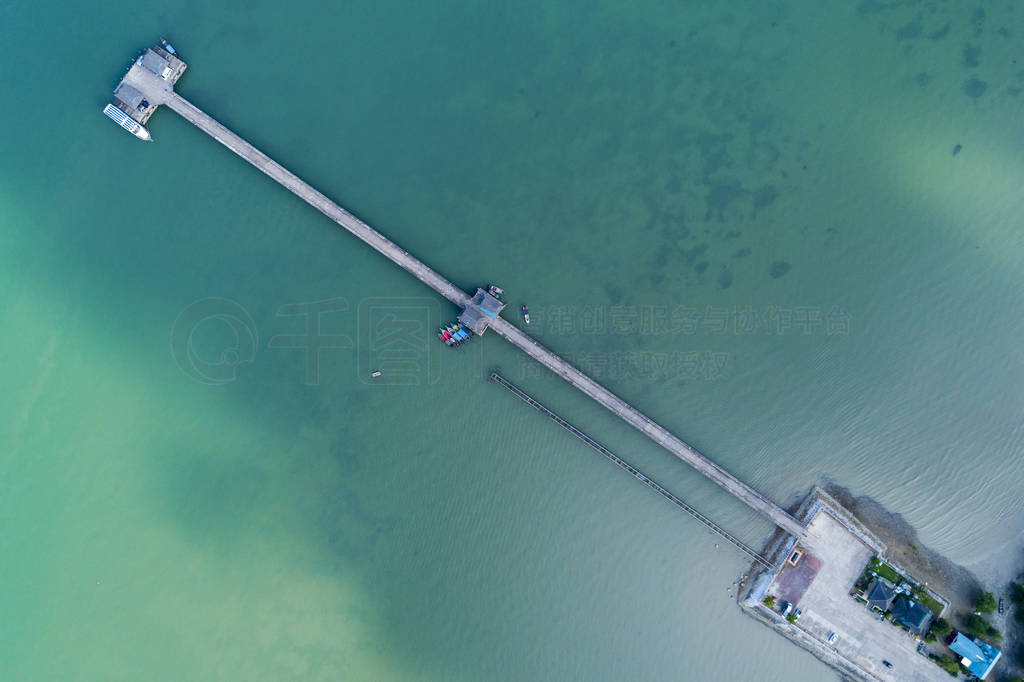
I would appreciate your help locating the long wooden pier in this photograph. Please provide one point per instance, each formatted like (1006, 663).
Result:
(160, 91)
(636, 473)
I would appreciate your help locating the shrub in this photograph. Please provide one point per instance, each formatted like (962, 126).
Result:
(1017, 594)
(947, 663)
(986, 602)
(769, 601)
(941, 627)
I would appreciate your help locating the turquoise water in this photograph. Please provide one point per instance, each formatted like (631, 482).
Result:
(656, 169)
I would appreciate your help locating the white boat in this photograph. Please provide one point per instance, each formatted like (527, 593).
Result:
(127, 122)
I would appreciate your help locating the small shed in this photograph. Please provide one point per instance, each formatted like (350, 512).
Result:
(131, 97)
(155, 63)
(481, 310)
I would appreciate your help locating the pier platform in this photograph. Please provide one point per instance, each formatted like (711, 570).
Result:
(141, 102)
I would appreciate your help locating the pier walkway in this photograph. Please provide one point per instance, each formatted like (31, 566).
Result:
(158, 90)
(637, 474)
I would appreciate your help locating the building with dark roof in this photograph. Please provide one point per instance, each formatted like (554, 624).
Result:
(132, 98)
(911, 615)
(157, 64)
(975, 655)
(482, 309)
(881, 592)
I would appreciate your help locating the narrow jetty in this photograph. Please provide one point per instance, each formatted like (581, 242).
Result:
(636, 473)
(150, 78)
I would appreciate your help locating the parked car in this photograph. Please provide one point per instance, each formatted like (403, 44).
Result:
(785, 608)
(832, 637)
(886, 663)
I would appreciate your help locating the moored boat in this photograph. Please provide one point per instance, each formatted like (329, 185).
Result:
(127, 122)
(526, 314)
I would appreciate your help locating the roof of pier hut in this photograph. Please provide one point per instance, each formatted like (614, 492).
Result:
(482, 309)
(155, 63)
(129, 95)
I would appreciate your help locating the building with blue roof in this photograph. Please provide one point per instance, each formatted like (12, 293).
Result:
(975, 655)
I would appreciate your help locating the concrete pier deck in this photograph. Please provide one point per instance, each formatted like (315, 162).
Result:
(161, 91)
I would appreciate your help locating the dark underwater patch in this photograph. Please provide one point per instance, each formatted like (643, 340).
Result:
(910, 31)
(779, 269)
(972, 57)
(721, 195)
(764, 196)
(725, 279)
(974, 88)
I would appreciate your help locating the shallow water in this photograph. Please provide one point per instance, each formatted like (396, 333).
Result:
(749, 221)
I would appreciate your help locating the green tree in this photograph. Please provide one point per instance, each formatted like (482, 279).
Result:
(791, 618)
(769, 601)
(986, 603)
(941, 627)
(979, 627)
(976, 625)
(1017, 594)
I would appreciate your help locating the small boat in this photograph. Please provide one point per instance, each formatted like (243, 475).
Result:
(526, 314)
(375, 374)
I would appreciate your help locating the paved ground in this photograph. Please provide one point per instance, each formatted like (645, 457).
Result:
(827, 607)
(793, 582)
